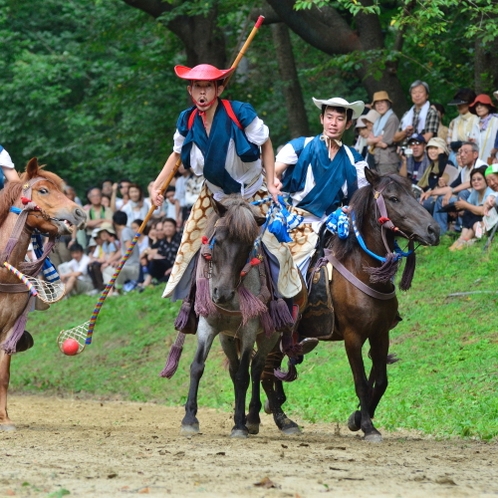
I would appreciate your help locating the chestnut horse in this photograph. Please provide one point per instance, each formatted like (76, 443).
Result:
(362, 292)
(42, 205)
(230, 274)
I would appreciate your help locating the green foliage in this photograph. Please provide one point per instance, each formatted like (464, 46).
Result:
(444, 384)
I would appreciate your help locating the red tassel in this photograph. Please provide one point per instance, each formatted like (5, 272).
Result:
(383, 219)
(204, 239)
(25, 200)
(255, 261)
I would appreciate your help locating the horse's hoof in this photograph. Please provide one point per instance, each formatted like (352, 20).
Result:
(188, 430)
(267, 407)
(7, 428)
(354, 421)
(253, 428)
(239, 433)
(291, 430)
(374, 437)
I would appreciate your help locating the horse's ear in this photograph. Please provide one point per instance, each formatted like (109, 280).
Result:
(260, 220)
(219, 208)
(372, 176)
(32, 168)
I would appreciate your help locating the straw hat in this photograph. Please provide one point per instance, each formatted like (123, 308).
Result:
(357, 106)
(382, 95)
(372, 115)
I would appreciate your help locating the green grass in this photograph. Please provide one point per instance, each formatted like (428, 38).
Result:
(445, 384)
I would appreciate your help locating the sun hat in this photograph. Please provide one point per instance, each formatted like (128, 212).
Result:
(107, 227)
(495, 94)
(382, 95)
(440, 143)
(463, 96)
(360, 123)
(482, 98)
(357, 106)
(492, 169)
(202, 72)
(371, 116)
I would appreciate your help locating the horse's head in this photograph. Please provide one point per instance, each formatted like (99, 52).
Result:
(408, 216)
(54, 214)
(232, 232)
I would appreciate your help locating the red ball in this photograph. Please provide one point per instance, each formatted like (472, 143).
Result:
(70, 347)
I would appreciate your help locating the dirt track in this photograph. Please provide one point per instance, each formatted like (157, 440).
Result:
(101, 449)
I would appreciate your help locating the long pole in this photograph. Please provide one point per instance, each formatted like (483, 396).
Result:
(164, 186)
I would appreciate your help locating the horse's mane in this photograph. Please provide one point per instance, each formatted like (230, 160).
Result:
(238, 220)
(12, 190)
(362, 204)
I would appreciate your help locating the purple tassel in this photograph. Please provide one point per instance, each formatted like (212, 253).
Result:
(267, 323)
(408, 272)
(385, 272)
(280, 314)
(289, 376)
(250, 305)
(203, 303)
(182, 318)
(174, 356)
(9, 346)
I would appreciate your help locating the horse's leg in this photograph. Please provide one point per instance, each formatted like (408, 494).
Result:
(360, 419)
(378, 374)
(205, 336)
(274, 390)
(265, 345)
(239, 372)
(5, 422)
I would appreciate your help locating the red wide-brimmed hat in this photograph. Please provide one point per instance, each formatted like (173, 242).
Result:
(202, 72)
(482, 98)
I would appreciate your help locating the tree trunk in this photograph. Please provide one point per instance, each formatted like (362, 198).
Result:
(486, 67)
(203, 40)
(326, 30)
(296, 113)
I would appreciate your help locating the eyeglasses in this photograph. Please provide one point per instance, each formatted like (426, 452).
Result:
(414, 143)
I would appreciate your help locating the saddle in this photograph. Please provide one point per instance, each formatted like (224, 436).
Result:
(317, 320)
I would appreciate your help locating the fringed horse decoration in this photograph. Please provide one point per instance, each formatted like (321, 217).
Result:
(364, 300)
(35, 203)
(231, 301)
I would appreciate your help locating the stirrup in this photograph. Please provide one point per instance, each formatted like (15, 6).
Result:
(308, 344)
(25, 342)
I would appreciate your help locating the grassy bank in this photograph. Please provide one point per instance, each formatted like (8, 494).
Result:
(445, 384)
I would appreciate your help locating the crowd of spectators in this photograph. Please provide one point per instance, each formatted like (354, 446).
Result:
(88, 259)
(446, 164)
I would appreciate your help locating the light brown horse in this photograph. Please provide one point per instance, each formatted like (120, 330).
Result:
(45, 208)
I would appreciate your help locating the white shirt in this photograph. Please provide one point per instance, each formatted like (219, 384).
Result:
(5, 160)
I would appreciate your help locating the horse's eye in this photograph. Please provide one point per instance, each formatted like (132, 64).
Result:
(393, 199)
(43, 191)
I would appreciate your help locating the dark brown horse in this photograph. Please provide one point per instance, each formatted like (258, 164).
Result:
(365, 306)
(43, 207)
(231, 301)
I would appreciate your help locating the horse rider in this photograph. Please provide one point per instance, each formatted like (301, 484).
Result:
(227, 143)
(320, 173)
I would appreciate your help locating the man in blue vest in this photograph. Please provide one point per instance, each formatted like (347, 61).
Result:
(320, 173)
(227, 143)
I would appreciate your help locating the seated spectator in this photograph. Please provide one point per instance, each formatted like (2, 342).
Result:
(143, 239)
(105, 251)
(442, 131)
(131, 268)
(171, 205)
(361, 144)
(74, 273)
(97, 214)
(136, 207)
(381, 139)
(118, 202)
(106, 201)
(434, 176)
(414, 160)
(473, 210)
(106, 188)
(434, 200)
(421, 118)
(487, 126)
(464, 126)
(491, 202)
(162, 258)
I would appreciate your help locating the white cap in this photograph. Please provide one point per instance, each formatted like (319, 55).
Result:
(356, 106)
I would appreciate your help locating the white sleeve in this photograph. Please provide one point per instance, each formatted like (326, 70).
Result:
(178, 140)
(5, 160)
(257, 132)
(360, 173)
(287, 155)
